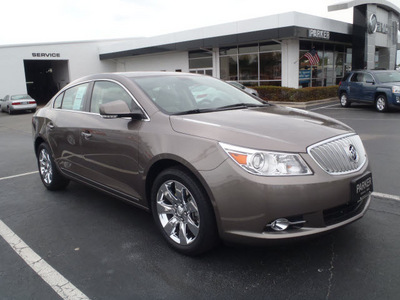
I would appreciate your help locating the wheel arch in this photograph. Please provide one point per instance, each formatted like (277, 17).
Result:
(166, 163)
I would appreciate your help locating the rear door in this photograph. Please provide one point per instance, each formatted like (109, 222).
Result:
(64, 127)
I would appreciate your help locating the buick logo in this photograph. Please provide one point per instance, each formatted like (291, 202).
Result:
(352, 152)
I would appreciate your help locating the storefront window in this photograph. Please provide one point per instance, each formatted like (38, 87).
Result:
(248, 67)
(270, 66)
(229, 67)
(200, 60)
(257, 64)
(331, 67)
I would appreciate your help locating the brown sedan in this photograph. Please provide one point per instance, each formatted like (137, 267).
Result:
(208, 160)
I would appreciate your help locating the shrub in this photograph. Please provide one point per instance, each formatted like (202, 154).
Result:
(276, 93)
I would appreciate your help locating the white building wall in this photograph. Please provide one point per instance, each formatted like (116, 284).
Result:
(156, 62)
(83, 59)
(290, 63)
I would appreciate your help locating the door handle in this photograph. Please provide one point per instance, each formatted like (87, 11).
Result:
(86, 134)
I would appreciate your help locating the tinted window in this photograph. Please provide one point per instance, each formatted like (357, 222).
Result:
(58, 101)
(357, 77)
(106, 91)
(390, 76)
(74, 97)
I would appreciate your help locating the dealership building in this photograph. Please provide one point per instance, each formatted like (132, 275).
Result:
(263, 51)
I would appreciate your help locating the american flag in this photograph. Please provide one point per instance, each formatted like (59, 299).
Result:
(312, 57)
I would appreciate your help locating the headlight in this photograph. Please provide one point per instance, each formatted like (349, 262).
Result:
(267, 163)
(396, 89)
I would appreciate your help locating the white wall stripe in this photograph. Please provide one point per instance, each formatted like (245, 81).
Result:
(55, 280)
(385, 196)
(19, 175)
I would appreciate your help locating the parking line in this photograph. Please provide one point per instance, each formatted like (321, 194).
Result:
(19, 175)
(386, 196)
(322, 107)
(57, 282)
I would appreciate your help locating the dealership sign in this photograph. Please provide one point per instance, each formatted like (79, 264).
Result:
(375, 26)
(319, 34)
(50, 55)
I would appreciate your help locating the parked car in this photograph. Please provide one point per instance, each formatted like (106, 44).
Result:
(244, 88)
(378, 87)
(20, 102)
(239, 169)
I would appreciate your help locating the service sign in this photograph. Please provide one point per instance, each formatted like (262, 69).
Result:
(319, 34)
(46, 55)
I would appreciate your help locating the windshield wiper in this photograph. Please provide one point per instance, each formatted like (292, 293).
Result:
(242, 105)
(193, 111)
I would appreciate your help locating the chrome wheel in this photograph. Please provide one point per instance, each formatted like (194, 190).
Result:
(46, 169)
(381, 104)
(178, 212)
(344, 101)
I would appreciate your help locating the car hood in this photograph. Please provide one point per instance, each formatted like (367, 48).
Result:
(272, 128)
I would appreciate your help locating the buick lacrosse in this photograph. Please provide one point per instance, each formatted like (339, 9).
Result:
(209, 161)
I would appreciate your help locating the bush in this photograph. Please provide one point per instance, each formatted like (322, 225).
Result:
(276, 93)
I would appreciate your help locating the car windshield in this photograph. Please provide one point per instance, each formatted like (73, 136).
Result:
(184, 94)
(390, 76)
(19, 97)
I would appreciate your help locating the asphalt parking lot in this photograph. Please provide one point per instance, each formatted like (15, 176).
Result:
(94, 246)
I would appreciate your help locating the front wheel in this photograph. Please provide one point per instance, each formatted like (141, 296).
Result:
(344, 100)
(381, 103)
(49, 174)
(183, 213)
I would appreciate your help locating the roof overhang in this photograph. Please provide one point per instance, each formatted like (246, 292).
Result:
(279, 27)
(349, 4)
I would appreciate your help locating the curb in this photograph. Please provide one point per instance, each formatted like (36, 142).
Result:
(307, 104)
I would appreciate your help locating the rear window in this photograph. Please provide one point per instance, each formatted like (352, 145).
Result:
(19, 97)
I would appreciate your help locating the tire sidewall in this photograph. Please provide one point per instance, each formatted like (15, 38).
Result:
(207, 235)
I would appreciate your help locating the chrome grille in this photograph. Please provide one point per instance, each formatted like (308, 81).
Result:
(339, 155)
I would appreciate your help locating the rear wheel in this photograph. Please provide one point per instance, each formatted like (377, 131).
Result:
(183, 212)
(9, 111)
(49, 174)
(344, 100)
(381, 103)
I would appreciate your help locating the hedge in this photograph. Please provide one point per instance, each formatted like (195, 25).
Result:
(276, 93)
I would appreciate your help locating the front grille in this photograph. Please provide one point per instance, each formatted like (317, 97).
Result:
(339, 155)
(343, 212)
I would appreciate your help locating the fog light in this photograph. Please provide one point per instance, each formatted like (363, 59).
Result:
(282, 224)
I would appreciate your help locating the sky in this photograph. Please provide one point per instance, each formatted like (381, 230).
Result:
(48, 21)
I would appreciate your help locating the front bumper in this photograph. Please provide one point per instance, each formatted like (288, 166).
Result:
(245, 204)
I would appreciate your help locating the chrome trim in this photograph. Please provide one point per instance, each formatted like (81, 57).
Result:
(332, 157)
(88, 112)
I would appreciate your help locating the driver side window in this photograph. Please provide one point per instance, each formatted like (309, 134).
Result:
(106, 91)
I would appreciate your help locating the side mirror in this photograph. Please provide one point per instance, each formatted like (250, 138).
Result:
(119, 109)
(370, 81)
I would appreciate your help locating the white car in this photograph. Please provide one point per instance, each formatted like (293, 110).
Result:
(20, 102)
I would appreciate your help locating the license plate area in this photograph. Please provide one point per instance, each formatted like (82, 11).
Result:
(361, 188)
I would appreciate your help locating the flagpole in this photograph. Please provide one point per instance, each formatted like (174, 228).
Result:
(311, 70)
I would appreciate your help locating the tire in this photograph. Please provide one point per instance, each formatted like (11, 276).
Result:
(49, 174)
(381, 104)
(183, 212)
(344, 100)
(9, 110)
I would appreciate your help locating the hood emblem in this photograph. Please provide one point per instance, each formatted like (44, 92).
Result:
(352, 153)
